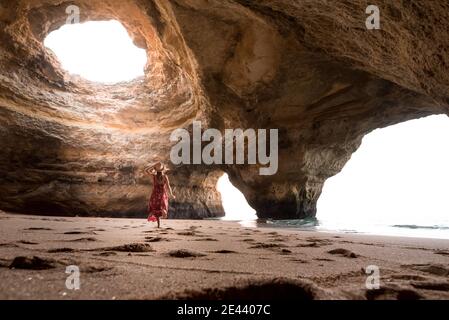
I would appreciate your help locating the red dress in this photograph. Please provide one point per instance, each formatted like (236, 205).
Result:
(158, 204)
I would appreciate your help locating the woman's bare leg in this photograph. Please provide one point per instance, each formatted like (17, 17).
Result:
(158, 222)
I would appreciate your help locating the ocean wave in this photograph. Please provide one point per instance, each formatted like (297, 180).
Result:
(303, 223)
(413, 226)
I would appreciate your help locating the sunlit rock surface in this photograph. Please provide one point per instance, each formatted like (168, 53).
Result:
(308, 68)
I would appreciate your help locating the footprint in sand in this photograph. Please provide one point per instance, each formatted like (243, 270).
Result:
(393, 293)
(38, 229)
(95, 269)
(205, 239)
(106, 254)
(166, 229)
(11, 245)
(56, 220)
(299, 260)
(89, 239)
(132, 247)
(33, 263)
(27, 242)
(183, 253)
(187, 233)
(224, 251)
(442, 252)
(320, 242)
(308, 245)
(431, 285)
(408, 277)
(80, 233)
(253, 290)
(160, 230)
(261, 245)
(343, 252)
(278, 239)
(435, 269)
(324, 259)
(156, 239)
(96, 229)
(4, 263)
(62, 250)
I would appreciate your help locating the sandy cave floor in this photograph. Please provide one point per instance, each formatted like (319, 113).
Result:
(131, 259)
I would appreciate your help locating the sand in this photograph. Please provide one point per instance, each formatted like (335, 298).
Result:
(132, 259)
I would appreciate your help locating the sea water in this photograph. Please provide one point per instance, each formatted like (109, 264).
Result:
(432, 229)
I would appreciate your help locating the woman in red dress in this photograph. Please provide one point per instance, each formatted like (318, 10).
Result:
(158, 204)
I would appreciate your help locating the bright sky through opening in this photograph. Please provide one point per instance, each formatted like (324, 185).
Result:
(399, 176)
(234, 203)
(99, 51)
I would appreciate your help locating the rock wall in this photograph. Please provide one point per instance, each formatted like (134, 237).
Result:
(308, 68)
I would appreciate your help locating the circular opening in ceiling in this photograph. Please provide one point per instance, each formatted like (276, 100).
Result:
(99, 51)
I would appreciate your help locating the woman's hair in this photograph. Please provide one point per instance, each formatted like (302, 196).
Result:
(160, 176)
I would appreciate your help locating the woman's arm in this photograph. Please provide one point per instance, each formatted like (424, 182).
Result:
(167, 181)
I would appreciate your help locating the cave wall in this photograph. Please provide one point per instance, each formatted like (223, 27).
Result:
(308, 68)
(77, 148)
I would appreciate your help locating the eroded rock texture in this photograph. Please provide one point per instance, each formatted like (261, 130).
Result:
(307, 67)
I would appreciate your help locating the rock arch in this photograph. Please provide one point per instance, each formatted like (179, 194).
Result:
(309, 69)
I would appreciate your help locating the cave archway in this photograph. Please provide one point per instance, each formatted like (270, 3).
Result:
(395, 183)
(79, 147)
